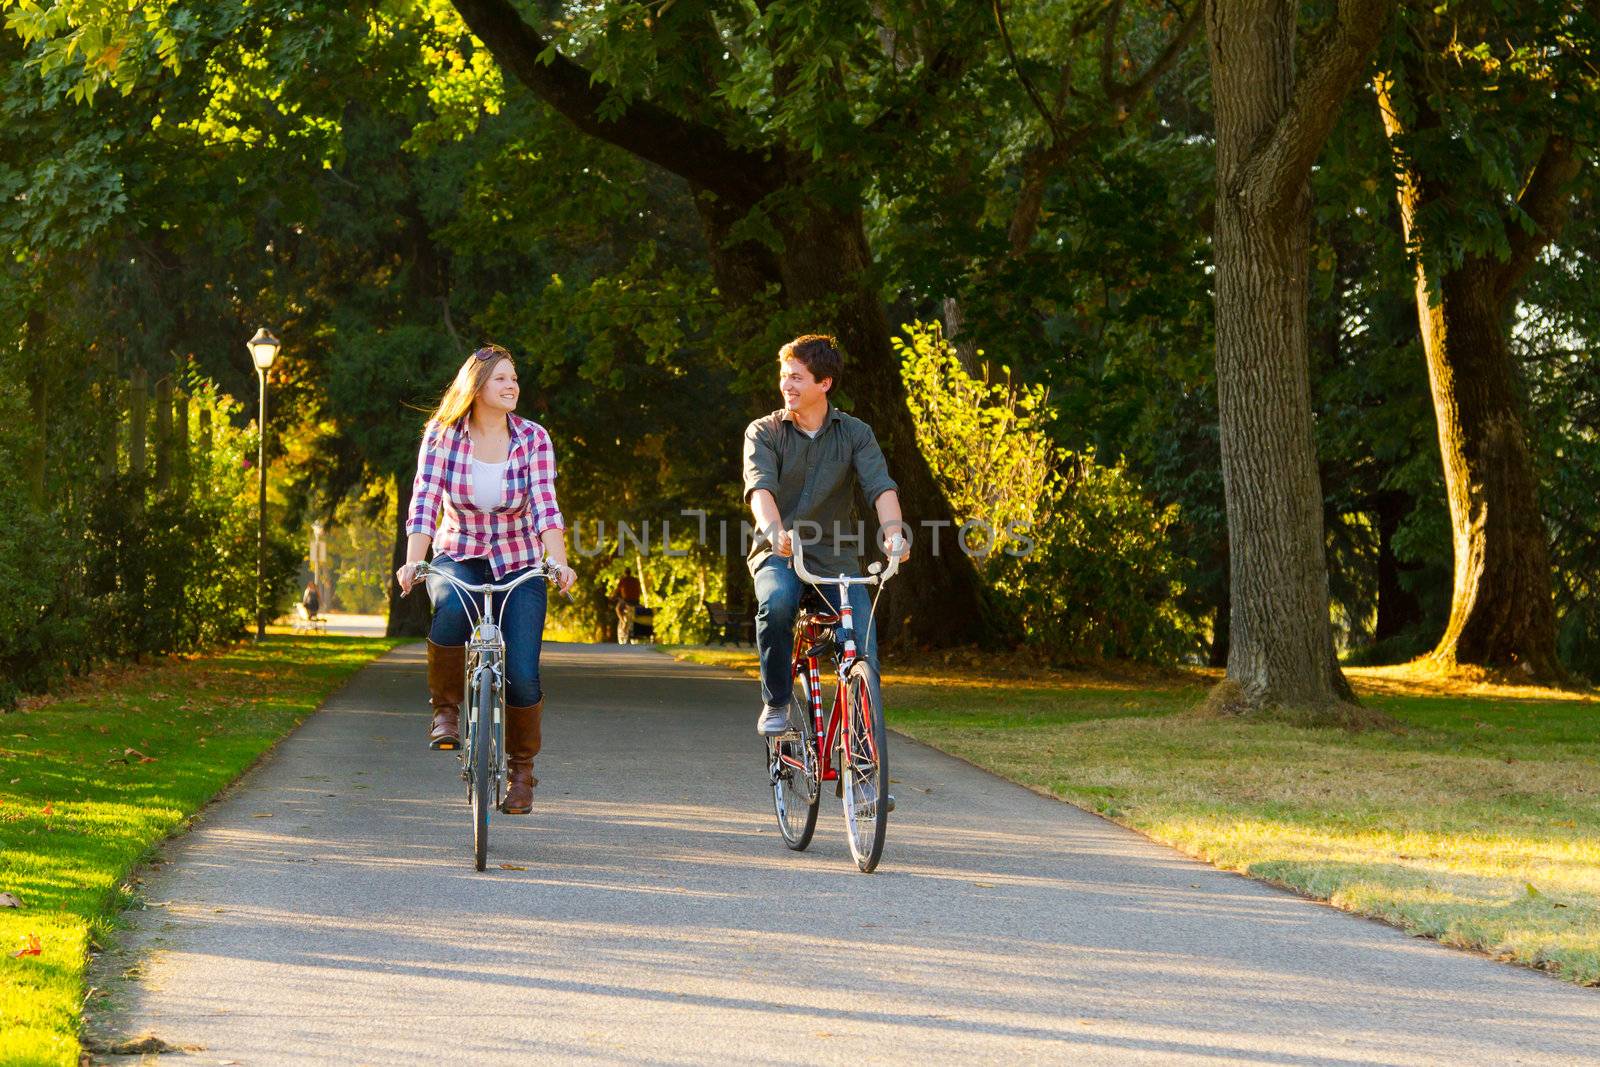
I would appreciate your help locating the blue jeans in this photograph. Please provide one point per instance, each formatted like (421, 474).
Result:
(777, 603)
(522, 622)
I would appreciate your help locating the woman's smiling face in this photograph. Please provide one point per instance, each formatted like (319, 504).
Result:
(500, 392)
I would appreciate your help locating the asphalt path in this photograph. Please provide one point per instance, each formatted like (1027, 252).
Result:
(326, 912)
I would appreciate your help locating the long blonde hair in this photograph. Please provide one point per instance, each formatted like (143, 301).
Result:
(456, 404)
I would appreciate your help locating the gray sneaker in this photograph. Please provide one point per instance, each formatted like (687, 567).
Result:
(773, 722)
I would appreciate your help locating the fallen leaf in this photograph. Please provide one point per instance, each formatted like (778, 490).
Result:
(262, 815)
(984, 885)
(47, 809)
(1533, 894)
(511, 867)
(9, 900)
(30, 947)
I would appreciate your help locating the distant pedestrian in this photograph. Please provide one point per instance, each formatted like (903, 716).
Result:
(311, 600)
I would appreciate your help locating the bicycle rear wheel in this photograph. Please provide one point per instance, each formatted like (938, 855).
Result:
(792, 762)
(482, 727)
(865, 770)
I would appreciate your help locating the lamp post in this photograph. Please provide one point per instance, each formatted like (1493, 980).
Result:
(263, 349)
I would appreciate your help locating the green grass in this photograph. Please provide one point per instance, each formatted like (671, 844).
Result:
(91, 781)
(1477, 822)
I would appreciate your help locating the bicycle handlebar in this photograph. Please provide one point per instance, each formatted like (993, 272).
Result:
(544, 569)
(877, 573)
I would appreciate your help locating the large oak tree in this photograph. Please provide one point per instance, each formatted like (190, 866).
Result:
(1488, 113)
(1271, 122)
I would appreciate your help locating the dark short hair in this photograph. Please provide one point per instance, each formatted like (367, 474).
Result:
(818, 352)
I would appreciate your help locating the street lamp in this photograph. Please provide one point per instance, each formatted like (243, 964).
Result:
(263, 349)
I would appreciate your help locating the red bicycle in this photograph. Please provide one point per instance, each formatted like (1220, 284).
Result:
(850, 748)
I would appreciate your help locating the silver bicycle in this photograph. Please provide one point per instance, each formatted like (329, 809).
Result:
(483, 750)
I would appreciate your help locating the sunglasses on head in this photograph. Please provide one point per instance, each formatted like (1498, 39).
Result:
(486, 353)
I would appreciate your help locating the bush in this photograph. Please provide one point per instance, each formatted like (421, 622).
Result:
(1081, 565)
(127, 569)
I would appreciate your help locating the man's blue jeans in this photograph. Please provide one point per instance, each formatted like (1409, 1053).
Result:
(522, 623)
(777, 603)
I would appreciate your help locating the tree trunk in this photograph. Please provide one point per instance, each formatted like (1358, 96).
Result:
(1502, 610)
(409, 616)
(1280, 639)
(39, 405)
(826, 263)
(163, 433)
(137, 397)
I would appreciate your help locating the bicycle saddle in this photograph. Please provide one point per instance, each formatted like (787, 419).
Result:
(816, 605)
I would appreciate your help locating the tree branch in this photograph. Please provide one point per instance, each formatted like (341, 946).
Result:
(1039, 162)
(1272, 178)
(1108, 48)
(691, 150)
(1022, 75)
(1126, 94)
(1544, 198)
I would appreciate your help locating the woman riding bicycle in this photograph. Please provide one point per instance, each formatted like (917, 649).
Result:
(485, 498)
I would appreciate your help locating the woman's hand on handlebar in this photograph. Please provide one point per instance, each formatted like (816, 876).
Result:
(406, 576)
(564, 576)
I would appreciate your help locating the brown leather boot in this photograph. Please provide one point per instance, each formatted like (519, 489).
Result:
(447, 682)
(523, 742)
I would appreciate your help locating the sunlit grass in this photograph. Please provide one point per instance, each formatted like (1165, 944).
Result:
(91, 780)
(1477, 822)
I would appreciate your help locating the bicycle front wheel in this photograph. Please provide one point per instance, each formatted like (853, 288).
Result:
(482, 727)
(865, 770)
(792, 762)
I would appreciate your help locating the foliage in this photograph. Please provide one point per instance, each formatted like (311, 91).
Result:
(369, 182)
(360, 543)
(1080, 564)
(675, 587)
(986, 438)
(129, 568)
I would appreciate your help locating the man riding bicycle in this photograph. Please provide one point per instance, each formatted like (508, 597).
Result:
(802, 464)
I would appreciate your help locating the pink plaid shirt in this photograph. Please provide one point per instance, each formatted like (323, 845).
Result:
(508, 535)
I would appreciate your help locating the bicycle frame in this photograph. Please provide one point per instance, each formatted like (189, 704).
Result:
(813, 630)
(485, 651)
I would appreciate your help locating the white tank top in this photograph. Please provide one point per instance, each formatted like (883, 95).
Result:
(488, 483)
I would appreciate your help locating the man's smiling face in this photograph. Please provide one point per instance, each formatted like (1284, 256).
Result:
(800, 390)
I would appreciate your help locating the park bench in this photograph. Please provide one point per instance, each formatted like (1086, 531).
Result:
(730, 626)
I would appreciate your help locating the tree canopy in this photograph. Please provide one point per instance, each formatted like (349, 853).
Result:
(642, 200)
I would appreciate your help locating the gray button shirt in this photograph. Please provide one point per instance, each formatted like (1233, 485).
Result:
(812, 479)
